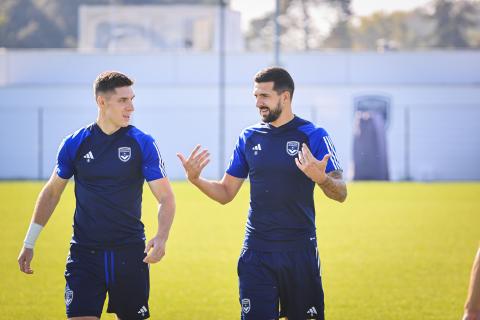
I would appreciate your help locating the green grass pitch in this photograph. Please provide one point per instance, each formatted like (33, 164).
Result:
(392, 251)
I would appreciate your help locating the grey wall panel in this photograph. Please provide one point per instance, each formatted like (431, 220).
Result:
(19, 144)
(182, 88)
(320, 68)
(414, 68)
(180, 131)
(445, 143)
(312, 68)
(58, 123)
(241, 68)
(67, 67)
(3, 67)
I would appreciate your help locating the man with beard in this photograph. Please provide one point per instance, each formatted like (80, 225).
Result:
(285, 157)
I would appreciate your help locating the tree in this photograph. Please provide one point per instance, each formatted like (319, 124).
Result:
(298, 30)
(26, 26)
(397, 30)
(452, 20)
(446, 24)
(442, 24)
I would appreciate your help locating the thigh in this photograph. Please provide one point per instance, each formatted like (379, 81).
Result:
(85, 288)
(301, 290)
(258, 286)
(129, 286)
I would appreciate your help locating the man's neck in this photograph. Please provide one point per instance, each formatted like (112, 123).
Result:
(107, 126)
(284, 118)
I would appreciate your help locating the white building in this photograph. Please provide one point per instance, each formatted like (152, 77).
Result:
(146, 28)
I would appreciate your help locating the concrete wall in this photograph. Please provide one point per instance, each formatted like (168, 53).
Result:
(434, 131)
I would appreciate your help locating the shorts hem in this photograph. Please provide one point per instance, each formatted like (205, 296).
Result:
(136, 317)
(83, 314)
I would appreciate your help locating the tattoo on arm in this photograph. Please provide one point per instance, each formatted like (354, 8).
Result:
(334, 187)
(336, 174)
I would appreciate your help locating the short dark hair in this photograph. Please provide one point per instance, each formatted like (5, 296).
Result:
(109, 81)
(282, 81)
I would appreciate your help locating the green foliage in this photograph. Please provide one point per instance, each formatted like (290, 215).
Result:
(27, 26)
(445, 24)
(391, 251)
(406, 30)
(297, 26)
(452, 20)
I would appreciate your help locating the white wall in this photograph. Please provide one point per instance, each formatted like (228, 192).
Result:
(177, 102)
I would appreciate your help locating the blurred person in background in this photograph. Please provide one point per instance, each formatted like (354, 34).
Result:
(110, 160)
(472, 305)
(285, 157)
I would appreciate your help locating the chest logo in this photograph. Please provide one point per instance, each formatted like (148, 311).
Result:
(257, 148)
(88, 156)
(293, 147)
(124, 153)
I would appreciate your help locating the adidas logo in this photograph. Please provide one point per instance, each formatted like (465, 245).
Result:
(312, 312)
(142, 311)
(89, 156)
(257, 148)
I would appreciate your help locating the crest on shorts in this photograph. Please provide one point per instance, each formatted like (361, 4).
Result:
(124, 153)
(245, 305)
(293, 147)
(68, 296)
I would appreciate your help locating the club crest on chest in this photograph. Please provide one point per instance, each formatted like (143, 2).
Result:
(124, 153)
(292, 148)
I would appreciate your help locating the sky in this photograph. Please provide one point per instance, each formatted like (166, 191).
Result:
(251, 9)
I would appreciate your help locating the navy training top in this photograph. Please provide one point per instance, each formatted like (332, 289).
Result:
(282, 213)
(109, 171)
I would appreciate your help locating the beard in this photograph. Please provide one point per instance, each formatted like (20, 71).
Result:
(272, 114)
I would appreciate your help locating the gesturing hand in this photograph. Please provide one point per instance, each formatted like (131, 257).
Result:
(195, 162)
(313, 168)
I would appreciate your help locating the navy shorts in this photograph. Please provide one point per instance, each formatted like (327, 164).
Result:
(280, 284)
(120, 272)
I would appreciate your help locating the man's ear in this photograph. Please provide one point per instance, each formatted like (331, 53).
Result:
(100, 101)
(286, 96)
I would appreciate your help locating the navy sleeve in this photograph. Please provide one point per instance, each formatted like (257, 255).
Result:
(320, 145)
(64, 165)
(238, 166)
(153, 167)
